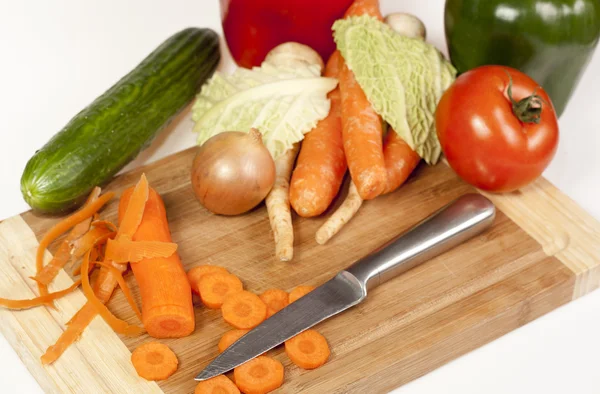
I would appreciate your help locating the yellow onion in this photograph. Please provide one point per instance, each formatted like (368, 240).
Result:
(232, 172)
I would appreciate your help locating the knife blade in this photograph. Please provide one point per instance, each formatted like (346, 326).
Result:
(455, 223)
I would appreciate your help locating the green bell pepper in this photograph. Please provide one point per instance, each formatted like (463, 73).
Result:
(550, 40)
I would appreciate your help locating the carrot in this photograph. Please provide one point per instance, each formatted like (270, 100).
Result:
(195, 274)
(123, 286)
(167, 309)
(275, 299)
(154, 361)
(125, 251)
(244, 310)
(300, 292)
(215, 287)
(104, 223)
(37, 301)
(64, 225)
(229, 338)
(364, 7)
(259, 375)
(362, 132)
(218, 385)
(132, 212)
(321, 163)
(400, 160)
(341, 216)
(278, 206)
(118, 325)
(308, 350)
(63, 253)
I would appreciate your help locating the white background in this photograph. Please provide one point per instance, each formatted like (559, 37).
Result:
(58, 56)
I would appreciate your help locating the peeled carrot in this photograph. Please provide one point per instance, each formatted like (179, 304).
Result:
(37, 301)
(64, 225)
(126, 251)
(321, 164)
(218, 385)
(308, 350)
(244, 310)
(229, 338)
(300, 292)
(400, 160)
(154, 361)
(215, 287)
(63, 253)
(275, 299)
(195, 274)
(167, 309)
(259, 375)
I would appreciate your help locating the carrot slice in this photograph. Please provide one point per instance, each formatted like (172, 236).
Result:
(124, 288)
(118, 325)
(126, 251)
(132, 218)
(37, 301)
(230, 337)
(198, 272)
(259, 375)
(243, 310)
(276, 300)
(154, 361)
(218, 385)
(299, 292)
(308, 350)
(215, 287)
(61, 227)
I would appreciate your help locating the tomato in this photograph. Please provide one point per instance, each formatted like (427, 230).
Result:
(489, 143)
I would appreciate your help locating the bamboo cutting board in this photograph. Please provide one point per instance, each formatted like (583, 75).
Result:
(542, 252)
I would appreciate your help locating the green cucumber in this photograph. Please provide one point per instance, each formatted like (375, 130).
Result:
(110, 132)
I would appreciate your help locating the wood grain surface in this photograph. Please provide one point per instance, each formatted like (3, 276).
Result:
(498, 281)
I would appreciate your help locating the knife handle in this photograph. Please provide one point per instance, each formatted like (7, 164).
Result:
(452, 225)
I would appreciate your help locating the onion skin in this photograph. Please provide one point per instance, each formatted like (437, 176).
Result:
(232, 172)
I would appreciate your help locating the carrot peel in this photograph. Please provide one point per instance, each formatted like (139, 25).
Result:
(125, 250)
(134, 212)
(116, 324)
(37, 301)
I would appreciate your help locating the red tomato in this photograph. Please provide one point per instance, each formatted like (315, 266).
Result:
(487, 143)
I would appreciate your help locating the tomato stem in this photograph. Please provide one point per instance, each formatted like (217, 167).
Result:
(528, 109)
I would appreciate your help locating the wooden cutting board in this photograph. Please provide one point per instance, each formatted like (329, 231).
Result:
(542, 252)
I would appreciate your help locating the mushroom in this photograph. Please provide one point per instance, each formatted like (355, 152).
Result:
(407, 25)
(293, 54)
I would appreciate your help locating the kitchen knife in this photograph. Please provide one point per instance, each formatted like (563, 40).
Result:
(457, 222)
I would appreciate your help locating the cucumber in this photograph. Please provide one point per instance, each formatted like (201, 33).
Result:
(117, 126)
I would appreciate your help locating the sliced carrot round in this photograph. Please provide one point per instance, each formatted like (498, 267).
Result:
(217, 385)
(215, 287)
(230, 337)
(244, 310)
(276, 300)
(154, 361)
(198, 272)
(308, 350)
(300, 292)
(258, 376)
